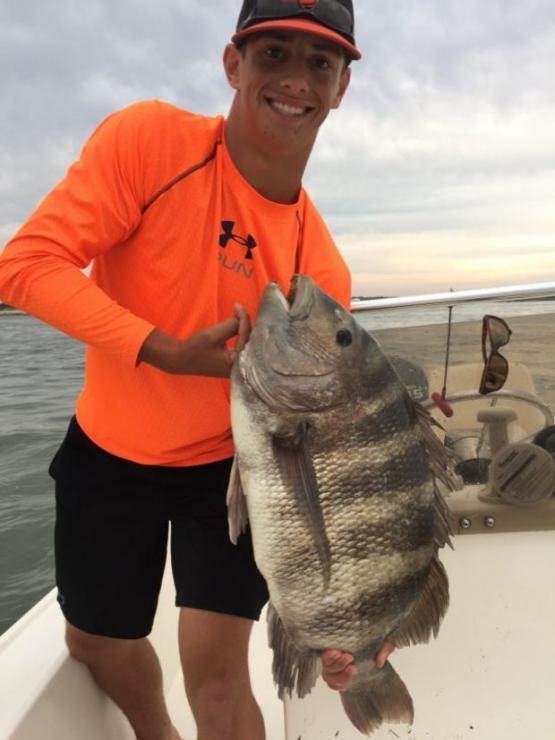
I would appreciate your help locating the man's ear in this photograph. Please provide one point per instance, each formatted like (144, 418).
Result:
(232, 57)
(343, 85)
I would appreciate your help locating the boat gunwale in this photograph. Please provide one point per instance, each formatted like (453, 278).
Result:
(511, 292)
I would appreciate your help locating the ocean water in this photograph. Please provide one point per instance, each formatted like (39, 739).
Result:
(40, 376)
(41, 372)
(424, 315)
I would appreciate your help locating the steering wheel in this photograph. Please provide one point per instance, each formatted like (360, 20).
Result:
(512, 395)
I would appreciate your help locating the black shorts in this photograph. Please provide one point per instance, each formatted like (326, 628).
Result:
(112, 522)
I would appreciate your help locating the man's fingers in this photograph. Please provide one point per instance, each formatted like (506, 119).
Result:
(225, 330)
(338, 668)
(336, 662)
(238, 326)
(381, 658)
(244, 328)
(330, 656)
(340, 681)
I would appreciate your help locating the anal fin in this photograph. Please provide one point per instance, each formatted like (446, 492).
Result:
(291, 668)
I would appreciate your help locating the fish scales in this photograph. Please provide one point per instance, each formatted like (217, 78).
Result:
(360, 597)
(335, 464)
(350, 537)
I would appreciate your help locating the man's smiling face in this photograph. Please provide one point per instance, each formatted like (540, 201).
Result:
(286, 83)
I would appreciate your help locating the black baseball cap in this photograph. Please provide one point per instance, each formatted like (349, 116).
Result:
(331, 19)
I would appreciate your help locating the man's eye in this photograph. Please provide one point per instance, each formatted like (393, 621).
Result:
(322, 63)
(274, 52)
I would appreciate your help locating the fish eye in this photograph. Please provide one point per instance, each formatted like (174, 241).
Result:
(344, 338)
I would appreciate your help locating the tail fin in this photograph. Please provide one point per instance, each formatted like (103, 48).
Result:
(382, 699)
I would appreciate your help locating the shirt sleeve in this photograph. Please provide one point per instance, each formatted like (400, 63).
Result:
(96, 206)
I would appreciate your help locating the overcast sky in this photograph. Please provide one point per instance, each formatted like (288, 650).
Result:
(438, 171)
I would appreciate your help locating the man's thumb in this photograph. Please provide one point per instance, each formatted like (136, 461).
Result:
(226, 329)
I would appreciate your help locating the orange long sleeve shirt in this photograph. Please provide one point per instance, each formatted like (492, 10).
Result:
(176, 237)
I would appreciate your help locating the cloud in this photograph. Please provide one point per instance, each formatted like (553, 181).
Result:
(441, 151)
(446, 148)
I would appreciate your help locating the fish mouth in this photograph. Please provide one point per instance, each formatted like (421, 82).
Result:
(300, 297)
(297, 304)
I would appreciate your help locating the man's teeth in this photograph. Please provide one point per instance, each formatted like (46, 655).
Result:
(287, 110)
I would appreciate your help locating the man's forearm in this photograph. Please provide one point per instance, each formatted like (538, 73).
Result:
(163, 351)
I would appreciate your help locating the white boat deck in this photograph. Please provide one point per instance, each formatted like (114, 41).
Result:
(489, 675)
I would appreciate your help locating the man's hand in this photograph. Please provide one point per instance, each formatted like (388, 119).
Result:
(203, 353)
(243, 330)
(381, 658)
(338, 667)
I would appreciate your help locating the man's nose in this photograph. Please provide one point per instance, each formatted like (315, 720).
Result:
(296, 80)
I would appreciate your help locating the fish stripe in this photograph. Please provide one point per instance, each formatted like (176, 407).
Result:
(351, 477)
(359, 537)
(371, 427)
(387, 606)
(396, 598)
(380, 377)
(405, 532)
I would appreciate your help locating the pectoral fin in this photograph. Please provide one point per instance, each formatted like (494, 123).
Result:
(237, 515)
(295, 463)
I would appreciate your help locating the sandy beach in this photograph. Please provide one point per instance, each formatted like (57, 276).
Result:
(531, 343)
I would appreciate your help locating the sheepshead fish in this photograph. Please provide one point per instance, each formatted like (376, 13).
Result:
(339, 469)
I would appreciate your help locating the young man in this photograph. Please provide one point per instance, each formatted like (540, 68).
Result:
(187, 218)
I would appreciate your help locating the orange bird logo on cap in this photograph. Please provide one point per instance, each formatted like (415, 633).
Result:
(307, 3)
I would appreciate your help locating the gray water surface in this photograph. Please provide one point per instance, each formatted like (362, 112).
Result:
(41, 373)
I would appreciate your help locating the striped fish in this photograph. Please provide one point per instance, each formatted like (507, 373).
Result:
(339, 469)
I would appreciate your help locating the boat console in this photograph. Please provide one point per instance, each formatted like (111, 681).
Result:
(500, 445)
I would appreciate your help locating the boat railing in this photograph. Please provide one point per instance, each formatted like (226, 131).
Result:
(451, 298)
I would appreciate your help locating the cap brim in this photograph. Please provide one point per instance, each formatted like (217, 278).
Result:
(299, 24)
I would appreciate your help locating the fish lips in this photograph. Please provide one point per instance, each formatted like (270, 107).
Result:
(296, 306)
(300, 297)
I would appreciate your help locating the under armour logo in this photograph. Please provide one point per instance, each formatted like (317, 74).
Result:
(249, 242)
